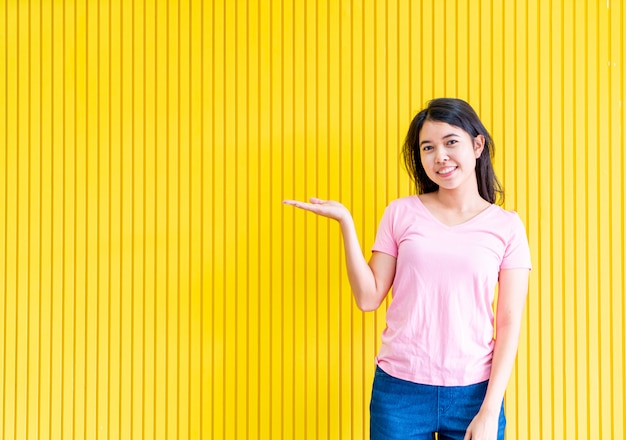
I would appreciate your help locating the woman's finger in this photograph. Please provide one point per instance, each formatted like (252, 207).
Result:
(298, 204)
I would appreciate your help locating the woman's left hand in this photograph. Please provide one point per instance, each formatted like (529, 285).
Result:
(483, 427)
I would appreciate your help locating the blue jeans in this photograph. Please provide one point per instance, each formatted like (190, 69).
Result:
(407, 410)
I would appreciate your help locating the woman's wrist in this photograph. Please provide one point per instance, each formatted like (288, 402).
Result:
(346, 220)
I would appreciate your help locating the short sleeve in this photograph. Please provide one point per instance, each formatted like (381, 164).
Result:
(517, 252)
(385, 241)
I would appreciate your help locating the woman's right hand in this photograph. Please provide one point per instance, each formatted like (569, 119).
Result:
(325, 208)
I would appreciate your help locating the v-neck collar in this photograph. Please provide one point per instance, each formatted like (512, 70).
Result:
(459, 225)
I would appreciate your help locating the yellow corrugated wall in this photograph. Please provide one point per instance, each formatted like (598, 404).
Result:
(154, 286)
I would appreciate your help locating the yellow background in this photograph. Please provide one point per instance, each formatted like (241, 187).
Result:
(154, 286)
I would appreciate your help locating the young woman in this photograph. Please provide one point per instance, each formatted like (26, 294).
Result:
(442, 252)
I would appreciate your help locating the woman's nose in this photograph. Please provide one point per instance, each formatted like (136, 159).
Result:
(441, 155)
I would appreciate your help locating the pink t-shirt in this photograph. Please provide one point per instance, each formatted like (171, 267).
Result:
(440, 321)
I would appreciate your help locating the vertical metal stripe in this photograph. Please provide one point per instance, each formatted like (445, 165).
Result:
(16, 408)
(40, 249)
(131, 192)
(5, 270)
(621, 280)
(188, 337)
(28, 202)
(5, 274)
(212, 215)
(109, 229)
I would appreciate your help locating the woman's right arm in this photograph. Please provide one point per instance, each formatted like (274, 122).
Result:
(370, 282)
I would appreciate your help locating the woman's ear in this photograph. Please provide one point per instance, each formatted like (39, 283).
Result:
(479, 144)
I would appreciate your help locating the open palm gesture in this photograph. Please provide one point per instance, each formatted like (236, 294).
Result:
(325, 208)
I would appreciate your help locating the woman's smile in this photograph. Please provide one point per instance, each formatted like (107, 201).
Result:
(447, 171)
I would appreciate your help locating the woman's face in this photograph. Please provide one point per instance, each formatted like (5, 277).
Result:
(448, 154)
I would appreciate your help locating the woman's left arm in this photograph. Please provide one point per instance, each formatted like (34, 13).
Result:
(512, 291)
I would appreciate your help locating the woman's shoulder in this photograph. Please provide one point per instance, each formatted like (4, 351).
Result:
(402, 204)
(509, 214)
(508, 219)
(404, 201)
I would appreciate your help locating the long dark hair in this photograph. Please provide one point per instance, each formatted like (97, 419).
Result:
(460, 114)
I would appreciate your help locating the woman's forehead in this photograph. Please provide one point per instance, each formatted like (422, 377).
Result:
(439, 129)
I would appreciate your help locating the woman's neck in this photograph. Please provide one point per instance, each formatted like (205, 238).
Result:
(460, 200)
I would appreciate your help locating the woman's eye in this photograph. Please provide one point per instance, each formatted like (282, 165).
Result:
(452, 141)
(427, 148)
